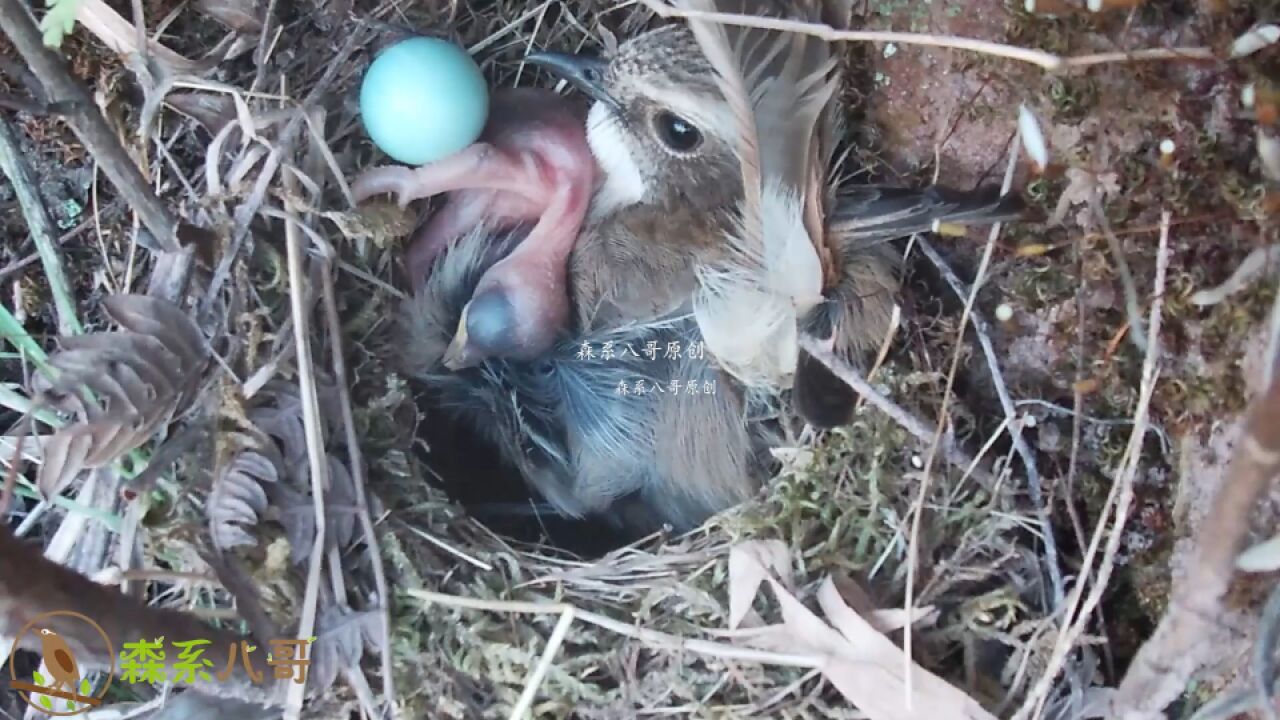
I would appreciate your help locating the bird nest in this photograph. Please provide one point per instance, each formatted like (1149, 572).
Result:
(486, 619)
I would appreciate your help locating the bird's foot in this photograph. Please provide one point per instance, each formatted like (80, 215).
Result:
(479, 166)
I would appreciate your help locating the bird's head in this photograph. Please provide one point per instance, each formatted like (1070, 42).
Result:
(509, 316)
(659, 127)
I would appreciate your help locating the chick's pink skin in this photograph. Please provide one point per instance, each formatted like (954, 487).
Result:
(532, 163)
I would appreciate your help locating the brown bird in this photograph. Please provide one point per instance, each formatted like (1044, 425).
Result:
(663, 227)
(531, 163)
(60, 660)
(669, 258)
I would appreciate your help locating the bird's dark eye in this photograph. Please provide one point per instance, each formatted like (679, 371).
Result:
(676, 133)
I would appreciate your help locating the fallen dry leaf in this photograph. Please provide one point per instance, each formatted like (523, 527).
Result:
(750, 563)
(866, 667)
(212, 110)
(242, 16)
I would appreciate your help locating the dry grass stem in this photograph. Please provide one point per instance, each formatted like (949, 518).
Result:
(1116, 511)
(913, 542)
(316, 458)
(1048, 61)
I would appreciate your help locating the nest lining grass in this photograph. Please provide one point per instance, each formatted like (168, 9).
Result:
(842, 503)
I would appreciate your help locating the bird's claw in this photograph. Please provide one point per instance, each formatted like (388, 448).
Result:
(385, 179)
(473, 167)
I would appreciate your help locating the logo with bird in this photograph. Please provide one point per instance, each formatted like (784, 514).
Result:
(58, 688)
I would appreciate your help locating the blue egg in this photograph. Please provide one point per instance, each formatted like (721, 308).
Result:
(423, 99)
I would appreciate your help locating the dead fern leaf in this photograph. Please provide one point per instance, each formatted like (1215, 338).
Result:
(298, 514)
(246, 491)
(238, 500)
(118, 386)
(342, 635)
(279, 415)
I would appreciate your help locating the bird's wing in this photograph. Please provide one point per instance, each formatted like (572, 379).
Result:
(779, 84)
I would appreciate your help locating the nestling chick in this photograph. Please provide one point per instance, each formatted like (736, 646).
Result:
(531, 163)
(664, 137)
(668, 456)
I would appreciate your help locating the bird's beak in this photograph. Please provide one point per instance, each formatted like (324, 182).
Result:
(582, 71)
(457, 356)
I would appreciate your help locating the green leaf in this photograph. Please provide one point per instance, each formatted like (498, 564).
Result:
(12, 330)
(85, 687)
(59, 21)
(46, 702)
(37, 677)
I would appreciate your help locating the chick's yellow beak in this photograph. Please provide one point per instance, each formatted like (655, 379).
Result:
(456, 356)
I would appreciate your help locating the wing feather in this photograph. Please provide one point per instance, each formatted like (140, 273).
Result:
(779, 85)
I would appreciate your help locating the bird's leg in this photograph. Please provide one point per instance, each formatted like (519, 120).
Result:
(464, 211)
(479, 166)
(553, 237)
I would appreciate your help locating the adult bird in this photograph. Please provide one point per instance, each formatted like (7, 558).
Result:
(669, 257)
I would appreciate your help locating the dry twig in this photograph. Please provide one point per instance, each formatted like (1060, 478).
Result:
(917, 510)
(1048, 61)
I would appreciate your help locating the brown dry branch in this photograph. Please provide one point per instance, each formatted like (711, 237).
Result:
(122, 386)
(1167, 660)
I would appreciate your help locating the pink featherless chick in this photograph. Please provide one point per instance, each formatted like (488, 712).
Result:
(531, 163)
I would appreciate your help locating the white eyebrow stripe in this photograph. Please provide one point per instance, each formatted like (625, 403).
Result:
(710, 114)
